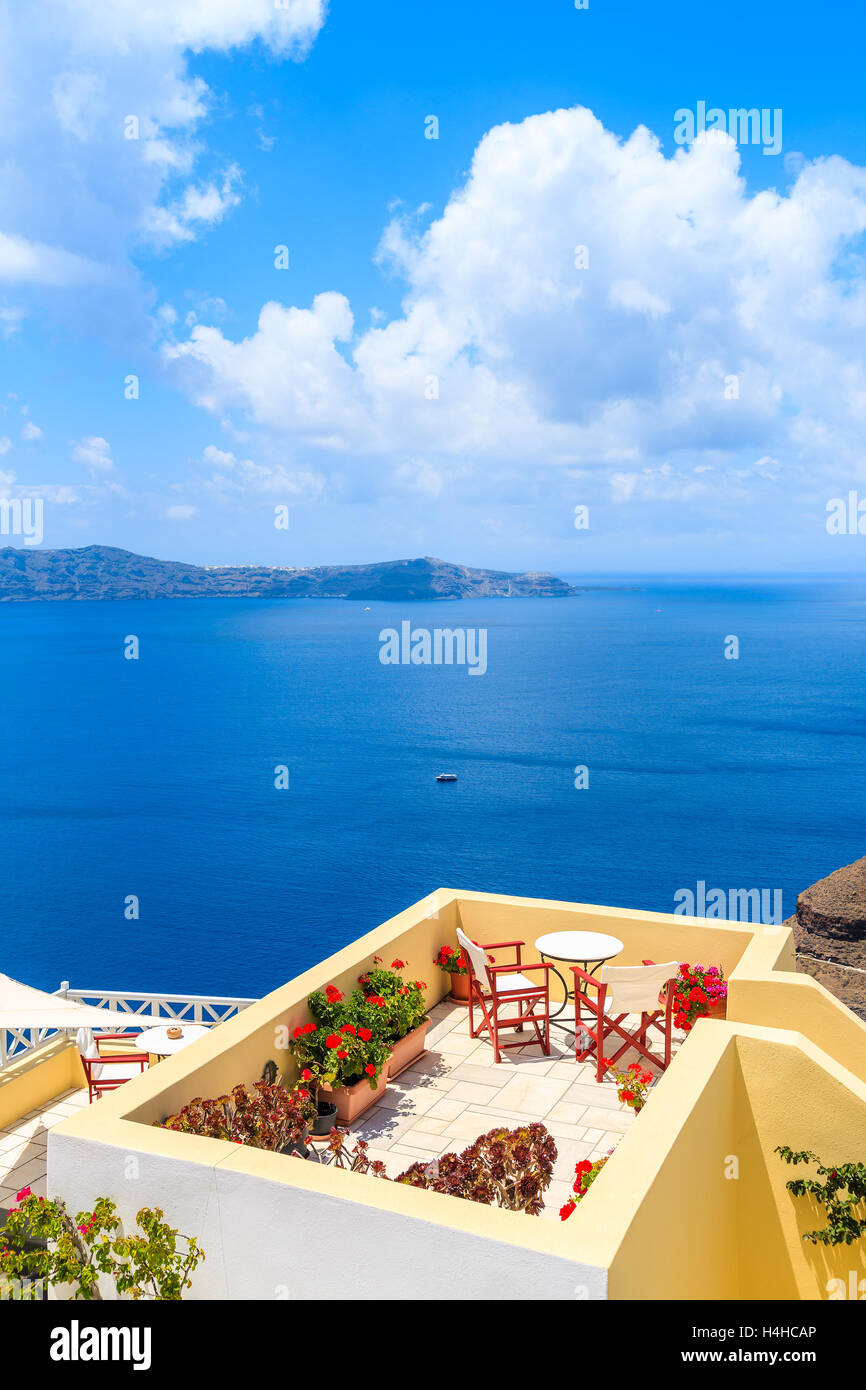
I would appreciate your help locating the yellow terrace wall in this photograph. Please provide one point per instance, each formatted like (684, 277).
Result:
(735, 1089)
(37, 1077)
(696, 1204)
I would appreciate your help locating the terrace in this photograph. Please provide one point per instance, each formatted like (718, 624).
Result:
(787, 1067)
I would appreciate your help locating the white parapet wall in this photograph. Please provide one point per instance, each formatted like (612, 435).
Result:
(277, 1228)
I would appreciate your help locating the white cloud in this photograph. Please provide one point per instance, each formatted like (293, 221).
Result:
(5, 444)
(95, 453)
(111, 155)
(31, 432)
(508, 358)
(179, 512)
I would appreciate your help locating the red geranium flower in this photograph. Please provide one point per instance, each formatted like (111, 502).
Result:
(306, 1074)
(364, 1034)
(333, 1040)
(348, 1028)
(397, 963)
(370, 1069)
(342, 1053)
(334, 995)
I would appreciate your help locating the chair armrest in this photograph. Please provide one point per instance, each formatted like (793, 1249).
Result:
(114, 1058)
(586, 977)
(544, 965)
(498, 945)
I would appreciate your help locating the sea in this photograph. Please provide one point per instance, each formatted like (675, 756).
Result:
(253, 782)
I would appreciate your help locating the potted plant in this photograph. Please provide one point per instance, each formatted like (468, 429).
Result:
(632, 1084)
(699, 992)
(343, 1058)
(450, 959)
(399, 1012)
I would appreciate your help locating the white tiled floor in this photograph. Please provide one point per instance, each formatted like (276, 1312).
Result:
(442, 1103)
(457, 1092)
(24, 1146)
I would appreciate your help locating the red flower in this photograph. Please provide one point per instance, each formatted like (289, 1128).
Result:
(348, 1028)
(333, 1040)
(298, 1031)
(25, 1192)
(626, 1095)
(364, 1034)
(420, 984)
(377, 960)
(342, 1053)
(583, 1167)
(646, 1077)
(370, 1069)
(306, 1074)
(565, 1212)
(334, 995)
(305, 1095)
(397, 964)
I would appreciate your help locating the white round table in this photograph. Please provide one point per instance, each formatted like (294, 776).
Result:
(157, 1043)
(587, 948)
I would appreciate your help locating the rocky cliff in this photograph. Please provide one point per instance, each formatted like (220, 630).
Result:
(829, 928)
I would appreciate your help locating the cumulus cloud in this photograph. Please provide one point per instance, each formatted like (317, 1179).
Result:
(31, 432)
(95, 453)
(111, 155)
(583, 303)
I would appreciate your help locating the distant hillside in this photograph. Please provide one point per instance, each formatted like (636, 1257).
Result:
(103, 572)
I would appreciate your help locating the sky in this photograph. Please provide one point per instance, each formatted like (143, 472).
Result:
(431, 277)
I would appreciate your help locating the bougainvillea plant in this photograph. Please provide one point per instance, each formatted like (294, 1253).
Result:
(632, 1084)
(450, 959)
(842, 1194)
(585, 1174)
(154, 1264)
(696, 988)
(269, 1117)
(505, 1168)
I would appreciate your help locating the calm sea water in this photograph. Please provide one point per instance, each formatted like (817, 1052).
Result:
(156, 777)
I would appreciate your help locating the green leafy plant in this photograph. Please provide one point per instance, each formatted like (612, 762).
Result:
(451, 960)
(841, 1193)
(400, 1006)
(632, 1085)
(338, 1053)
(154, 1264)
(268, 1117)
(505, 1168)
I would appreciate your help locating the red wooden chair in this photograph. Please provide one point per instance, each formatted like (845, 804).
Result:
(496, 987)
(95, 1062)
(620, 990)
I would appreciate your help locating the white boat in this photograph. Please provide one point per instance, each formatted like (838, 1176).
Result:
(447, 777)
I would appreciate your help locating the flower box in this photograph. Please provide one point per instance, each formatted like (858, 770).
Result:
(352, 1101)
(407, 1050)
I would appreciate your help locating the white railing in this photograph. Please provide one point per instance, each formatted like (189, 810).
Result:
(193, 1008)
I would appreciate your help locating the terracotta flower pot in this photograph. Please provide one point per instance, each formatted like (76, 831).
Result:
(717, 1010)
(459, 988)
(352, 1101)
(407, 1050)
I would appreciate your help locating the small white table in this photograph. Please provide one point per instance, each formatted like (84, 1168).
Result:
(157, 1043)
(587, 948)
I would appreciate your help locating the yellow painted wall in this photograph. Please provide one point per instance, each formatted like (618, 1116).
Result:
(37, 1078)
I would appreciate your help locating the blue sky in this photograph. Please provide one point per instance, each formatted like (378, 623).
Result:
(434, 373)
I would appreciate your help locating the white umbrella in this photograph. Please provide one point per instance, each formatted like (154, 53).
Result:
(21, 1006)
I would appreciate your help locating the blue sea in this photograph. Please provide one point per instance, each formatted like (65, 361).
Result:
(155, 777)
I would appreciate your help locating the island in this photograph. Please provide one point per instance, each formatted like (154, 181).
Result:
(105, 572)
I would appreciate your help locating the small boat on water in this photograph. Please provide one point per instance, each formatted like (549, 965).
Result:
(447, 777)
